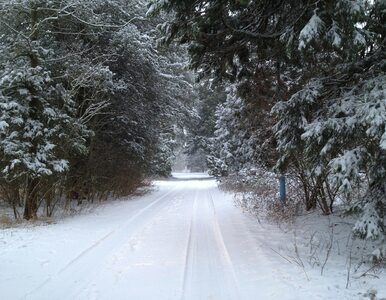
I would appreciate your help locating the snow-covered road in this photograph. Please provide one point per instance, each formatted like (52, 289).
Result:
(186, 240)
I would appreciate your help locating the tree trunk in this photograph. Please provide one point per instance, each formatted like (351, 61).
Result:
(30, 200)
(310, 200)
(15, 201)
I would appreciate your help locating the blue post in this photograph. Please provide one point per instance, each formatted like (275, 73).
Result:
(282, 189)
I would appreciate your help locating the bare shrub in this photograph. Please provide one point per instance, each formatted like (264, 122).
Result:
(6, 220)
(257, 192)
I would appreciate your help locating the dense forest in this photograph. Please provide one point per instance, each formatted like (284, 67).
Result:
(96, 97)
(303, 94)
(89, 104)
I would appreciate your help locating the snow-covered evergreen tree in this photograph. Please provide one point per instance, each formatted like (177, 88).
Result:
(325, 65)
(236, 145)
(38, 115)
(84, 93)
(336, 121)
(339, 127)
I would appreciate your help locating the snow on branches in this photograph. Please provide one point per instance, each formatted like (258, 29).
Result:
(341, 130)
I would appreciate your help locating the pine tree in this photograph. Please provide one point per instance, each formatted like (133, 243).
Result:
(85, 95)
(325, 66)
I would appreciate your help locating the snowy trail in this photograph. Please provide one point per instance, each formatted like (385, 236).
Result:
(208, 270)
(184, 241)
(78, 272)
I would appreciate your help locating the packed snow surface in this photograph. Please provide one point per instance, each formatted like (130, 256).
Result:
(184, 240)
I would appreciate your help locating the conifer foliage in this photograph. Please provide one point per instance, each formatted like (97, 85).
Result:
(83, 101)
(315, 75)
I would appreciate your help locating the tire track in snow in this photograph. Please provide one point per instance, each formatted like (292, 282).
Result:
(258, 263)
(208, 271)
(84, 252)
(94, 245)
(228, 265)
(65, 276)
(189, 250)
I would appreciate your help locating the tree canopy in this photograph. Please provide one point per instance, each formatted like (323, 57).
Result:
(309, 89)
(87, 104)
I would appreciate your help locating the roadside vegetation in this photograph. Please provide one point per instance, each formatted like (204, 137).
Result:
(305, 97)
(88, 102)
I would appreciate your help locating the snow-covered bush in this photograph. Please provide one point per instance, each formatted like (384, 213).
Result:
(256, 191)
(340, 131)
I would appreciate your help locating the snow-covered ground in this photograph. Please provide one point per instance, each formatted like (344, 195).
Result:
(185, 240)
